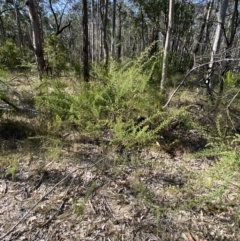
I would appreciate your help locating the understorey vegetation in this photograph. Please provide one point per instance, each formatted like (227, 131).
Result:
(177, 162)
(119, 120)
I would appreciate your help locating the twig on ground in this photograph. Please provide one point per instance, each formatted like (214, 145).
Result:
(60, 209)
(44, 196)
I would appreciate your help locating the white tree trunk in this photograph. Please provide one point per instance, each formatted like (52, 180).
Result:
(217, 41)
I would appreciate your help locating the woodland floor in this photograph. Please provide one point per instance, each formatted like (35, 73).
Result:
(92, 192)
(84, 189)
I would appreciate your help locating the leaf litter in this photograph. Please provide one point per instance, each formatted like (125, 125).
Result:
(92, 193)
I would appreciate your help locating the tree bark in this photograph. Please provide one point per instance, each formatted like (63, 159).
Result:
(113, 28)
(200, 37)
(92, 31)
(233, 24)
(119, 49)
(85, 40)
(142, 29)
(20, 39)
(216, 43)
(37, 36)
(3, 32)
(104, 17)
(167, 44)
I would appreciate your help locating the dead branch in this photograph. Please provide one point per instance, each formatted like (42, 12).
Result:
(191, 70)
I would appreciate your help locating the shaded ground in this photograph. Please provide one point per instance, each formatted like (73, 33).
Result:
(92, 192)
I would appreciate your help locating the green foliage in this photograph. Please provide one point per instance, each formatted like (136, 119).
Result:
(143, 192)
(10, 55)
(54, 99)
(79, 207)
(232, 79)
(129, 134)
(12, 169)
(178, 63)
(3, 73)
(77, 69)
(218, 178)
(5, 90)
(122, 92)
(121, 100)
(56, 54)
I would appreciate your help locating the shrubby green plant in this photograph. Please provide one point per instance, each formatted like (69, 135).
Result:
(10, 55)
(3, 73)
(120, 99)
(12, 169)
(56, 54)
(220, 177)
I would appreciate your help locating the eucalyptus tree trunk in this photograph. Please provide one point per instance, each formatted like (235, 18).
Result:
(208, 25)
(230, 36)
(113, 28)
(93, 31)
(85, 51)
(20, 39)
(142, 29)
(104, 17)
(119, 49)
(200, 37)
(201, 42)
(167, 44)
(98, 32)
(3, 32)
(217, 41)
(37, 36)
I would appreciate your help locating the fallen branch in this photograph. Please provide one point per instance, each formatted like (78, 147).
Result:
(60, 209)
(9, 103)
(181, 83)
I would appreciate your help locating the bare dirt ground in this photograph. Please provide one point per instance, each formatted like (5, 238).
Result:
(92, 192)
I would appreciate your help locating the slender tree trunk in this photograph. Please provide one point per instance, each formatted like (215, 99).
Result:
(85, 40)
(37, 36)
(233, 24)
(154, 40)
(216, 43)
(200, 37)
(20, 40)
(3, 32)
(167, 44)
(93, 31)
(98, 33)
(114, 28)
(104, 16)
(120, 32)
(142, 29)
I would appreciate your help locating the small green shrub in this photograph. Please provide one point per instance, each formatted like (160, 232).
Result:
(56, 54)
(12, 170)
(10, 55)
(117, 100)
